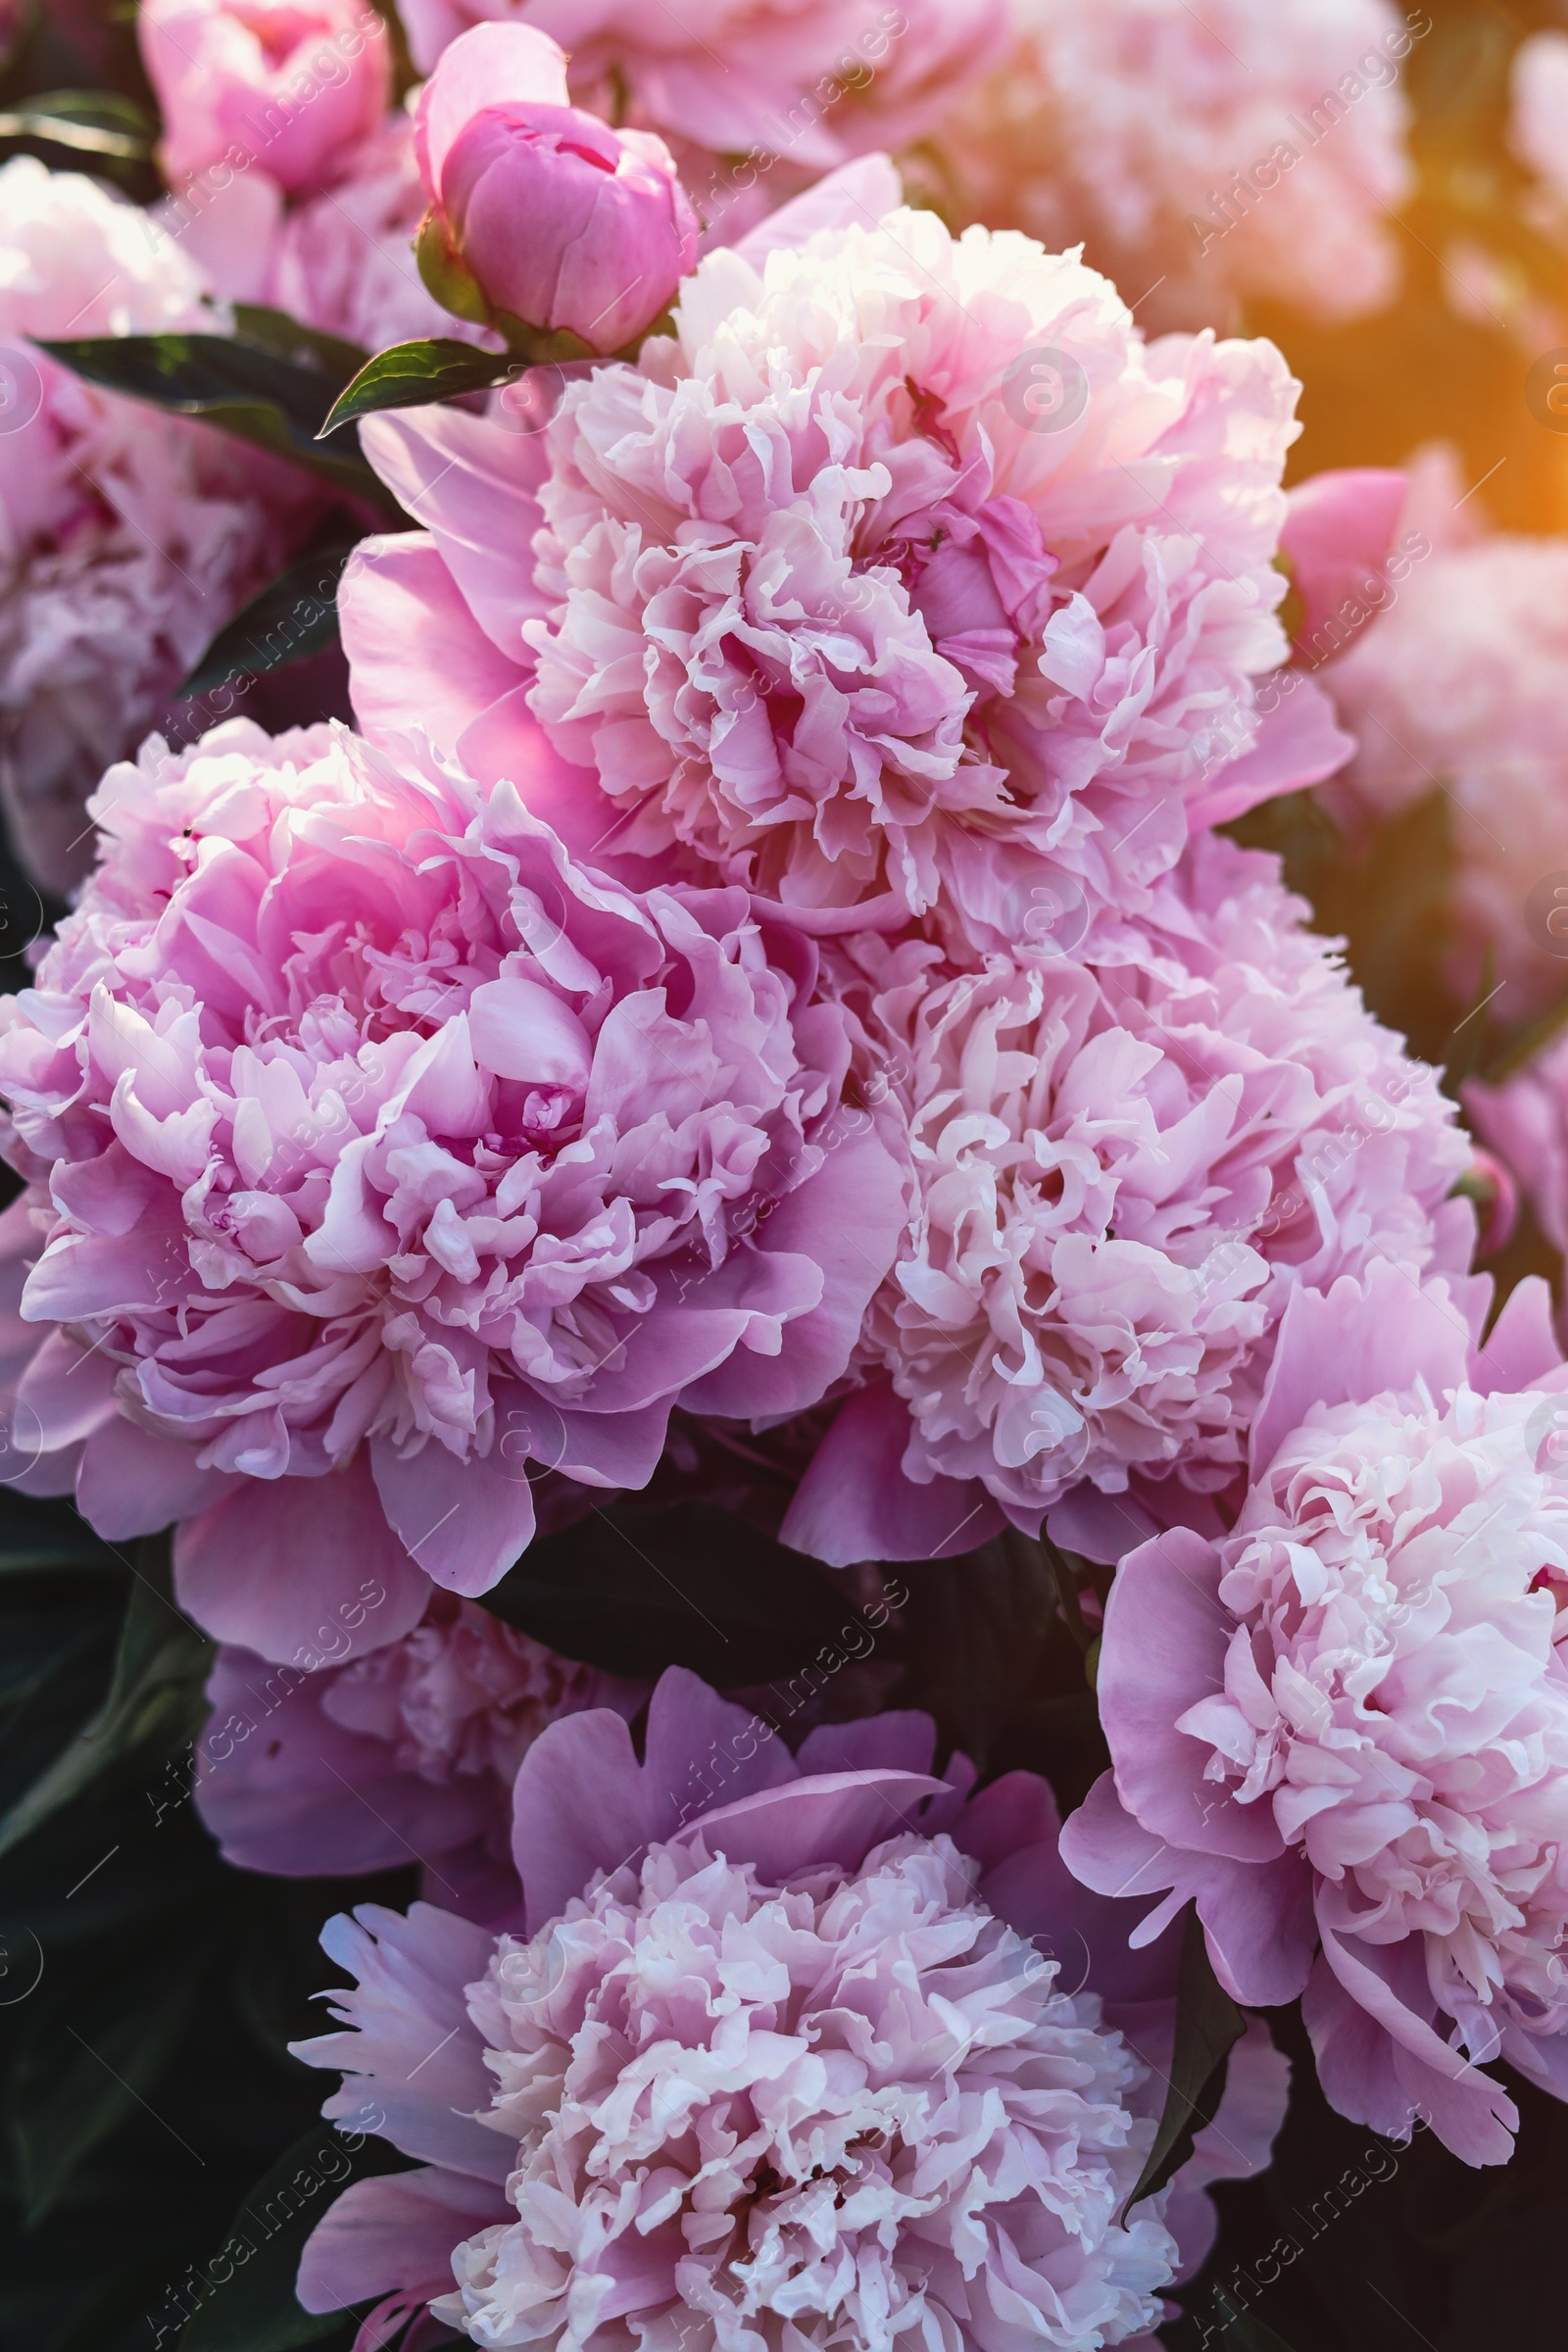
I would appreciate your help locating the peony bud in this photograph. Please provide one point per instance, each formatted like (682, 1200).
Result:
(287, 85)
(541, 217)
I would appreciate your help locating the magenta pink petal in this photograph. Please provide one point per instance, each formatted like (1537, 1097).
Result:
(846, 1219)
(832, 1817)
(1143, 1686)
(1299, 742)
(1338, 529)
(465, 1523)
(395, 2231)
(418, 658)
(855, 1502)
(294, 1569)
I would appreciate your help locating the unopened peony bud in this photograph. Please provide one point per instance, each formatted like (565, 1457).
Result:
(542, 217)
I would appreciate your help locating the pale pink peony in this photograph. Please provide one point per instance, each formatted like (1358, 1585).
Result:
(1248, 148)
(1124, 1170)
(407, 1753)
(127, 538)
(285, 87)
(811, 82)
(1460, 683)
(796, 2070)
(379, 1149)
(810, 603)
(1344, 1725)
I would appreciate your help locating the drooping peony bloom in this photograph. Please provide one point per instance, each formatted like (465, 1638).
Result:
(408, 1751)
(797, 2067)
(379, 1150)
(811, 82)
(810, 599)
(1460, 682)
(1251, 148)
(285, 87)
(541, 213)
(1124, 1170)
(127, 538)
(1345, 1724)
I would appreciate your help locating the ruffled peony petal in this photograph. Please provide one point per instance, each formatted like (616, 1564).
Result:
(416, 2077)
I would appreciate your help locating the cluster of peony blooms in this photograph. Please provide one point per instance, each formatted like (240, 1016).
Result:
(764, 953)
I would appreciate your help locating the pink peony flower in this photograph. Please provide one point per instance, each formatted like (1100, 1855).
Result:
(379, 1149)
(1459, 683)
(1208, 156)
(1345, 1724)
(810, 82)
(126, 538)
(1124, 1169)
(319, 1768)
(811, 602)
(541, 213)
(286, 85)
(791, 2062)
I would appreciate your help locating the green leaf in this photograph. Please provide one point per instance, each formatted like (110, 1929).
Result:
(87, 121)
(410, 374)
(977, 1628)
(154, 1703)
(84, 2070)
(1207, 2024)
(645, 1585)
(290, 339)
(248, 388)
(251, 2306)
(293, 617)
